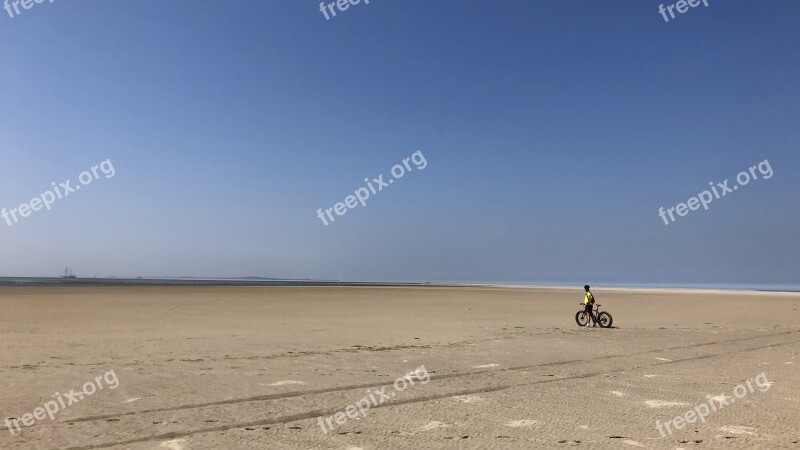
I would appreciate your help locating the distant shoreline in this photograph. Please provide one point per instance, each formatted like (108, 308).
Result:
(255, 282)
(60, 281)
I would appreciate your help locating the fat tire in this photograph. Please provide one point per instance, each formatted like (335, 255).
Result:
(602, 322)
(581, 315)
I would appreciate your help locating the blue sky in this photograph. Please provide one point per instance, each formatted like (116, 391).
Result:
(553, 133)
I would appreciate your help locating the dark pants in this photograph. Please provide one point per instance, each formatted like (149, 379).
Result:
(588, 308)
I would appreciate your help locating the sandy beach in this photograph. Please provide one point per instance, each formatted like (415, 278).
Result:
(506, 367)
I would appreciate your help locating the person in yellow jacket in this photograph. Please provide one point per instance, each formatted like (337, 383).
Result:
(588, 306)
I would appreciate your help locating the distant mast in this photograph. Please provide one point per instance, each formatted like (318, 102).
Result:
(68, 273)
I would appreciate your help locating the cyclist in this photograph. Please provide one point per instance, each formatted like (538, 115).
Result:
(588, 306)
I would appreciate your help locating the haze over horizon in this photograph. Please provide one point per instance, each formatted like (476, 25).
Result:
(553, 133)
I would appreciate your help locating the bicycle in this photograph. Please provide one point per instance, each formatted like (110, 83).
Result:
(604, 319)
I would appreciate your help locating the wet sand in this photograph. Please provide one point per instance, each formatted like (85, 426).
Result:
(255, 367)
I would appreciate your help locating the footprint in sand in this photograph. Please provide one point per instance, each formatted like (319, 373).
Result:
(618, 393)
(431, 426)
(720, 398)
(521, 423)
(468, 398)
(131, 400)
(485, 366)
(175, 444)
(663, 403)
(663, 359)
(733, 429)
(284, 383)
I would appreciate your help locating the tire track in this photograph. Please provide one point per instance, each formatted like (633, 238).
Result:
(279, 396)
(330, 411)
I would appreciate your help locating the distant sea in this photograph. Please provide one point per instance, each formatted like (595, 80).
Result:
(164, 281)
(257, 281)
(730, 287)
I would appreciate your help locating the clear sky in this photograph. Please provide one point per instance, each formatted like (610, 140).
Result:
(553, 133)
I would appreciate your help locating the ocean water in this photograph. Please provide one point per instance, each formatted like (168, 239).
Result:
(723, 286)
(41, 281)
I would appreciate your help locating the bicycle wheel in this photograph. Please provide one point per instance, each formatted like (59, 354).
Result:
(605, 320)
(581, 318)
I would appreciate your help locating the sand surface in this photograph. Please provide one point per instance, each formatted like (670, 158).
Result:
(254, 367)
